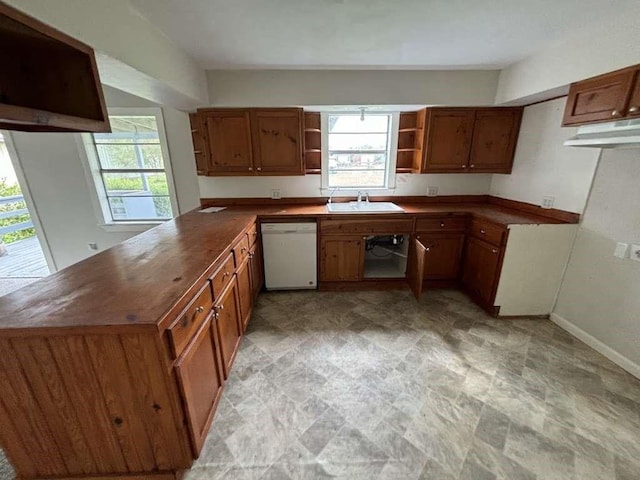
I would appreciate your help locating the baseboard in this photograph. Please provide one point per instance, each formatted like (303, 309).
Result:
(617, 358)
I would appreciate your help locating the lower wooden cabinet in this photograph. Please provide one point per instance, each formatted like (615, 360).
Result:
(416, 260)
(245, 292)
(481, 270)
(256, 269)
(227, 314)
(341, 258)
(201, 379)
(443, 255)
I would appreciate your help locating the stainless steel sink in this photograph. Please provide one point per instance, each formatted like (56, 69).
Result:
(364, 207)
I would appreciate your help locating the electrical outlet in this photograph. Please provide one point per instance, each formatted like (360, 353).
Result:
(635, 253)
(548, 201)
(92, 246)
(432, 191)
(621, 250)
(275, 194)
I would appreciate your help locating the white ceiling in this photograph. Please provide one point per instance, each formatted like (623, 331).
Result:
(410, 34)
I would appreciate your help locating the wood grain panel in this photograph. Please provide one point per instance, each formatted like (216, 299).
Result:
(366, 225)
(16, 450)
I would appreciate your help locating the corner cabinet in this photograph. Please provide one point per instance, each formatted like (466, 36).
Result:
(605, 98)
(471, 140)
(251, 141)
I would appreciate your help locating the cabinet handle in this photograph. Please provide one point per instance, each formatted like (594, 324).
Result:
(197, 152)
(614, 113)
(242, 250)
(472, 166)
(251, 169)
(259, 169)
(418, 237)
(483, 232)
(463, 166)
(199, 309)
(251, 255)
(215, 315)
(427, 249)
(225, 275)
(494, 250)
(441, 224)
(217, 308)
(633, 109)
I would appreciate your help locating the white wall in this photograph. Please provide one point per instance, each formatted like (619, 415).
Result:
(309, 185)
(599, 298)
(544, 166)
(53, 167)
(136, 56)
(613, 44)
(351, 87)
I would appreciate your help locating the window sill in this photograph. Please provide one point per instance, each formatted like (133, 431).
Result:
(129, 227)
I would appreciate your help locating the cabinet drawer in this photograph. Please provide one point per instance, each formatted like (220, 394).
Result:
(252, 234)
(367, 225)
(182, 330)
(223, 276)
(455, 224)
(488, 232)
(241, 250)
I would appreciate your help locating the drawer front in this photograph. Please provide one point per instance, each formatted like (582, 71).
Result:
(253, 235)
(182, 330)
(367, 225)
(444, 224)
(241, 250)
(223, 276)
(488, 232)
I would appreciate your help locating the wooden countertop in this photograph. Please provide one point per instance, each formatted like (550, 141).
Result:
(136, 283)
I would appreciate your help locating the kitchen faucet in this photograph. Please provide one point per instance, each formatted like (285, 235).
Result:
(331, 192)
(366, 197)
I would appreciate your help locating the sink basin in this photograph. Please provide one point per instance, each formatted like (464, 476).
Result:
(364, 207)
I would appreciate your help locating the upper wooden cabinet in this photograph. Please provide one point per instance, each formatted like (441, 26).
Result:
(236, 141)
(312, 143)
(470, 140)
(604, 98)
(48, 81)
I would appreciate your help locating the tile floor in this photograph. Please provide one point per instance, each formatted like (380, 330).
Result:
(375, 385)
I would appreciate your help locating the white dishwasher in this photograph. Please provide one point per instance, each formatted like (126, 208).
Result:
(290, 255)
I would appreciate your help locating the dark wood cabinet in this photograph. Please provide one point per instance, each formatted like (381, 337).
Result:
(448, 140)
(249, 141)
(481, 270)
(633, 108)
(471, 140)
(245, 292)
(495, 134)
(443, 256)
(416, 261)
(341, 258)
(256, 268)
(201, 379)
(227, 313)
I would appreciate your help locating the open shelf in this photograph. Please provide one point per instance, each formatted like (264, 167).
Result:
(312, 143)
(386, 260)
(410, 142)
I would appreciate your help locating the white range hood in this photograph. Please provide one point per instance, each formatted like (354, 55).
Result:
(621, 134)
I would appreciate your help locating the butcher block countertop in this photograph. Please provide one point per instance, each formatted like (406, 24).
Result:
(138, 283)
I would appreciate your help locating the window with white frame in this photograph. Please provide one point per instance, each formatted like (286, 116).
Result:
(131, 169)
(358, 151)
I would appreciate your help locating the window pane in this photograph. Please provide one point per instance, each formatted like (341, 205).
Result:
(130, 156)
(365, 178)
(135, 184)
(353, 124)
(140, 208)
(362, 161)
(130, 129)
(358, 141)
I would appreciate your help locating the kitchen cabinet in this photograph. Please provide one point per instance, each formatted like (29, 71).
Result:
(342, 258)
(312, 143)
(410, 141)
(245, 292)
(443, 255)
(471, 140)
(227, 315)
(49, 81)
(416, 262)
(603, 98)
(256, 268)
(248, 141)
(481, 270)
(201, 379)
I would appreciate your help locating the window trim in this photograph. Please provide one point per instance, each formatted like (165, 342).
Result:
(390, 181)
(96, 184)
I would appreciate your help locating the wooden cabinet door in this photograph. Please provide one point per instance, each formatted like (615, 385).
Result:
(416, 261)
(227, 314)
(495, 134)
(200, 142)
(201, 378)
(229, 133)
(444, 253)
(256, 269)
(633, 110)
(598, 99)
(277, 141)
(341, 258)
(481, 270)
(245, 292)
(448, 140)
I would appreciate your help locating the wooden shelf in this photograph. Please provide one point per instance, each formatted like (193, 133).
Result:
(410, 142)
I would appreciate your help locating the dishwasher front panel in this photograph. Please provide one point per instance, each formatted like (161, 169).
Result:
(290, 256)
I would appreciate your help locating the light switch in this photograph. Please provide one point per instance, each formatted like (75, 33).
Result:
(635, 253)
(621, 250)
